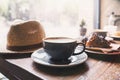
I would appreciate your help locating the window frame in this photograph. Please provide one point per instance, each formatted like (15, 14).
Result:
(97, 14)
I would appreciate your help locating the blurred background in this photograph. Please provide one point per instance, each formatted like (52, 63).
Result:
(61, 17)
(58, 17)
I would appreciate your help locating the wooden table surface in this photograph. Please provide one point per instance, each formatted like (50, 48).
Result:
(92, 69)
(95, 68)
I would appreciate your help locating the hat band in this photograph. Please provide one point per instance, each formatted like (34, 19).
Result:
(28, 47)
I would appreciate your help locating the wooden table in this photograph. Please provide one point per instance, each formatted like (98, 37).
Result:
(92, 69)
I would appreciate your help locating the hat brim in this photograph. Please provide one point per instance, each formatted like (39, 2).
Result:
(5, 53)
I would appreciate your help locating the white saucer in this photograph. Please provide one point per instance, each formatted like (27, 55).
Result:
(43, 58)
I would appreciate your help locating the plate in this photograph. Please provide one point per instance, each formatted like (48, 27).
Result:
(43, 58)
(116, 37)
(102, 51)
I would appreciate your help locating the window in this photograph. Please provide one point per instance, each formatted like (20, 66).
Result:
(58, 17)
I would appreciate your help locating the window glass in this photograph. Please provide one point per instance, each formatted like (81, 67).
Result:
(58, 17)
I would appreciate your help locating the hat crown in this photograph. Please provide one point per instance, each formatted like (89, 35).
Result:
(25, 33)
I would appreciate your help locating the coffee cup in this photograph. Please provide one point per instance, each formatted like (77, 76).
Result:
(61, 48)
(102, 33)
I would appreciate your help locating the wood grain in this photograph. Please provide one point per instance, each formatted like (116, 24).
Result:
(92, 69)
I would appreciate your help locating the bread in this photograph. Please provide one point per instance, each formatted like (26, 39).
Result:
(117, 33)
(97, 41)
(25, 35)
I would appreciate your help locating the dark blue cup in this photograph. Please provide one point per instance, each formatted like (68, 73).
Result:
(61, 48)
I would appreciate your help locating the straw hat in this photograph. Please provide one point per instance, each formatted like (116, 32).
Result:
(22, 37)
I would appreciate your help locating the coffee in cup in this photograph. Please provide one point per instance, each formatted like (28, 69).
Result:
(61, 48)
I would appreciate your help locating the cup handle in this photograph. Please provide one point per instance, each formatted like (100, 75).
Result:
(83, 46)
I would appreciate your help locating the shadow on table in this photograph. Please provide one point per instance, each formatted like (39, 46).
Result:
(104, 57)
(64, 71)
(15, 55)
